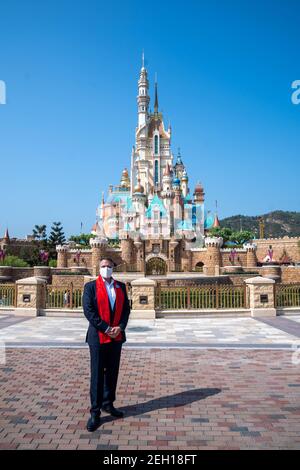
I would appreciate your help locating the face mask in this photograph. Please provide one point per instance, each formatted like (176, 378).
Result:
(106, 271)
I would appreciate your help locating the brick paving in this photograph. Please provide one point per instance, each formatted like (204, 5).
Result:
(173, 399)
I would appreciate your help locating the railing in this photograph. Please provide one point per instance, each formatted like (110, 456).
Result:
(123, 268)
(287, 295)
(58, 297)
(7, 295)
(204, 297)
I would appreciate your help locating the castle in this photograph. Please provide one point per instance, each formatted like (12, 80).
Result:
(152, 212)
(157, 224)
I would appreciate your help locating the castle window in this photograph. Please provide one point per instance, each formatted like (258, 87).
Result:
(156, 171)
(156, 144)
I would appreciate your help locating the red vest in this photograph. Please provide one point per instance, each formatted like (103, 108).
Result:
(103, 308)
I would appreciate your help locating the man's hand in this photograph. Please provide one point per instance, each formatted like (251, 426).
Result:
(114, 331)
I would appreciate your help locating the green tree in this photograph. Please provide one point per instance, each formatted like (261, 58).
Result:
(224, 232)
(40, 235)
(30, 254)
(12, 260)
(241, 237)
(82, 239)
(56, 237)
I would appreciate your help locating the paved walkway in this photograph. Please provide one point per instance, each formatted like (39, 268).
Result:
(194, 383)
(173, 399)
(194, 332)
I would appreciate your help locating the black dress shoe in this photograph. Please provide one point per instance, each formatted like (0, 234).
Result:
(93, 423)
(113, 411)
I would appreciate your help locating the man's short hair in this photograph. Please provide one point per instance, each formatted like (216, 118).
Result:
(107, 258)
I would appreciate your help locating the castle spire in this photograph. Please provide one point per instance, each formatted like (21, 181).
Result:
(143, 98)
(143, 60)
(156, 97)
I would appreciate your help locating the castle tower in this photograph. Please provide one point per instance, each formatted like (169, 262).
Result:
(184, 183)
(125, 181)
(251, 259)
(143, 98)
(62, 256)
(213, 255)
(199, 193)
(98, 251)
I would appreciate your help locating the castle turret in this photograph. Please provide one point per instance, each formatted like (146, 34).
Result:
(99, 246)
(213, 255)
(62, 256)
(125, 181)
(251, 259)
(199, 193)
(184, 183)
(143, 98)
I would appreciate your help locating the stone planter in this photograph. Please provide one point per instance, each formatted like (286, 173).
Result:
(42, 271)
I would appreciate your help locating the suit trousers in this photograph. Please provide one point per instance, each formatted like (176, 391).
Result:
(105, 363)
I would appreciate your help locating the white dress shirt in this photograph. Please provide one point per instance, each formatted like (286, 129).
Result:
(110, 289)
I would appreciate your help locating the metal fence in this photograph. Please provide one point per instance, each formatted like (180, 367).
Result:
(58, 297)
(204, 297)
(287, 295)
(125, 268)
(7, 295)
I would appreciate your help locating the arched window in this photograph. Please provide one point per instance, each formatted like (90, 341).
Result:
(156, 171)
(156, 144)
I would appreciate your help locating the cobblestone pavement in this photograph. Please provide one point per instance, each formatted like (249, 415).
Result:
(222, 332)
(173, 399)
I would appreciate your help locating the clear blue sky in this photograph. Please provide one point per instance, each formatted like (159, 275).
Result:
(224, 71)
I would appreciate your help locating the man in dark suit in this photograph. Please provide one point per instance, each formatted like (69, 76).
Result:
(106, 307)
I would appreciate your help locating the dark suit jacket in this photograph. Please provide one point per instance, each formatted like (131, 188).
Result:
(90, 309)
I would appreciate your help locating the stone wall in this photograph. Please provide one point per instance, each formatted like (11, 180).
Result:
(290, 244)
(65, 280)
(290, 274)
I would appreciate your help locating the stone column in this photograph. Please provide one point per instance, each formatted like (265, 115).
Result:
(98, 251)
(62, 256)
(31, 296)
(251, 259)
(213, 255)
(143, 298)
(261, 296)
(42, 271)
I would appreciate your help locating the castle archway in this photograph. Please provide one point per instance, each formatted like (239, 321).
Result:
(199, 267)
(156, 266)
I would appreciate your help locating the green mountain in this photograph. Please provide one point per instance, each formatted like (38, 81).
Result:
(277, 223)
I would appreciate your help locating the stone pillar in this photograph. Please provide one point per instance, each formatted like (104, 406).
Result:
(98, 251)
(213, 254)
(31, 296)
(62, 256)
(251, 259)
(42, 271)
(143, 298)
(261, 296)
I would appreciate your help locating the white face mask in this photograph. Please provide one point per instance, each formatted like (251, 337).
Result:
(106, 271)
